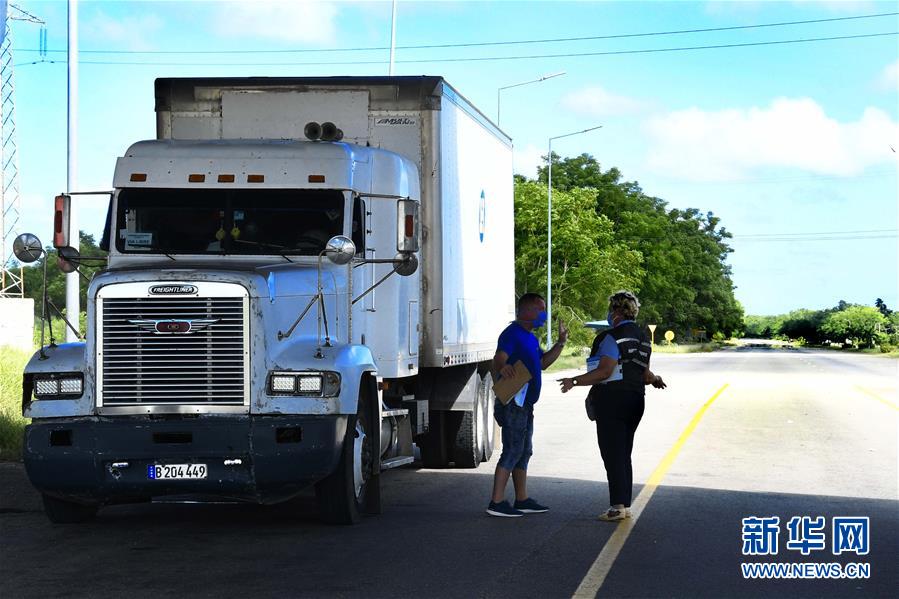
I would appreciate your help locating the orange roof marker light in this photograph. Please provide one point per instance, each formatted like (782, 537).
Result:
(196, 178)
(316, 178)
(226, 179)
(138, 177)
(255, 178)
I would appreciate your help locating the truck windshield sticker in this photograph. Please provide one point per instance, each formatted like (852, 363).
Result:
(138, 241)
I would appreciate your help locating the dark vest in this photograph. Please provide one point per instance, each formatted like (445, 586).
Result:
(634, 351)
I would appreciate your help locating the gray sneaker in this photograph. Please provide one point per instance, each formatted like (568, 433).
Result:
(503, 510)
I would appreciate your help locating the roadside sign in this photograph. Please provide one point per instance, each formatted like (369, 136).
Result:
(652, 332)
(669, 336)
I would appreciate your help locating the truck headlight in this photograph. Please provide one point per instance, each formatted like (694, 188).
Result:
(58, 386)
(304, 384)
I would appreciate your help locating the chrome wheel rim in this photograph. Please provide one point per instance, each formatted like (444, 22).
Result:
(478, 417)
(358, 461)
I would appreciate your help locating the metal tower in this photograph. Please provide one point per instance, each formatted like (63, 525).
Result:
(11, 284)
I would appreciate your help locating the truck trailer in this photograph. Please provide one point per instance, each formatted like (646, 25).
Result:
(305, 281)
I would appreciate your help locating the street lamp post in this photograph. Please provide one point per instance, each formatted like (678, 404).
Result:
(544, 78)
(549, 233)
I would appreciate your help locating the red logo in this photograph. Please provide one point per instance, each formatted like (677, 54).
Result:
(172, 326)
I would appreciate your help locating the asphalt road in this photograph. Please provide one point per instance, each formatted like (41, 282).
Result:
(793, 433)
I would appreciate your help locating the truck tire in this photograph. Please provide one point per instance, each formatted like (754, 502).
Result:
(489, 422)
(469, 442)
(343, 496)
(66, 512)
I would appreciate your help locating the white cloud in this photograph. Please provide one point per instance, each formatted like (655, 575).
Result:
(790, 133)
(526, 160)
(889, 77)
(130, 32)
(595, 101)
(286, 20)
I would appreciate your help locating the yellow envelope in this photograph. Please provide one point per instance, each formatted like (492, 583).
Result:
(505, 389)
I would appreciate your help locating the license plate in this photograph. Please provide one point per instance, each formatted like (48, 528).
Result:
(176, 471)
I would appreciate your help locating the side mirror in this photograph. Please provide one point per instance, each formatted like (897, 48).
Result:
(408, 226)
(27, 248)
(68, 259)
(61, 218)
(340, 249)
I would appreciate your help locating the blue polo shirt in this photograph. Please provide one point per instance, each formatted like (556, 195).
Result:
(521, 344)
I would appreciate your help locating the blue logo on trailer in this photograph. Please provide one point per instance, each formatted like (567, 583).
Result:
(482, 215)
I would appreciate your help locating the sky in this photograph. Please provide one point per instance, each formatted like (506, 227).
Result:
(792, 145)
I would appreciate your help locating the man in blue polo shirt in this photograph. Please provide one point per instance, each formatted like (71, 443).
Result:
(516, 418)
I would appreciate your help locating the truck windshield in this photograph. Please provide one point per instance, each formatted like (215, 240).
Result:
(241, 221)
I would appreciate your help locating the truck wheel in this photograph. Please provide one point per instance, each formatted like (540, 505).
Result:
(487, 401)
(469, 445)
(342, 496)
(66, 512)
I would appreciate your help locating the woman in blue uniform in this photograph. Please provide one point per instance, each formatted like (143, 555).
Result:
(618, 371)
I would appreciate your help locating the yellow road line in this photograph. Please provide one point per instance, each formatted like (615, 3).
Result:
(877, 397)
(597, 573)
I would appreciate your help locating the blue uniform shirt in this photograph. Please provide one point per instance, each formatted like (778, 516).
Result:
(521, 344)
(609, 347)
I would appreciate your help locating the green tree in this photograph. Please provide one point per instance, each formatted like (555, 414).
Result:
(763, 327)
(686, 281)
(804, 323)
(588, 262)
(860, 323)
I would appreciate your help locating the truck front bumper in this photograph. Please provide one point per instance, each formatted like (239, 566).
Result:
(259, 459)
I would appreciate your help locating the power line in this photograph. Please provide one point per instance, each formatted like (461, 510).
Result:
(480, 58)
(486, 44)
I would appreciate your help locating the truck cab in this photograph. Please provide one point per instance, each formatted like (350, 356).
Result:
(259, 328)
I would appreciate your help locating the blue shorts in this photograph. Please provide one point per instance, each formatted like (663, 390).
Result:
(518, 434)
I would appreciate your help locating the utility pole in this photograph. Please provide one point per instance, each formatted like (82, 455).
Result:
(392, 37)
(73, 284)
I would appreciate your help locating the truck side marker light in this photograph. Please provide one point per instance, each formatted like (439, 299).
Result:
(196, 178)
(226, 179)
(410, 226)
(316, 178)
(139, 177)
(235, 462)
(255, 178)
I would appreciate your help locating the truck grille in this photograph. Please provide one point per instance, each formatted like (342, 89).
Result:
(142, 365)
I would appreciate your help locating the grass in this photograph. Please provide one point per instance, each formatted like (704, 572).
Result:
(687, 348)
(12, 425)
(570, 358)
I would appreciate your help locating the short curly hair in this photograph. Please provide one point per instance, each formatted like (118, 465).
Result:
(624, 303)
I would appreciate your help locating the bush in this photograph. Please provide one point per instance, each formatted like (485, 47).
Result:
(886, 348)
(12, 425)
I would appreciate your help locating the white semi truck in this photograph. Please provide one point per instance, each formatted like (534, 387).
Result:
(306, 277)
